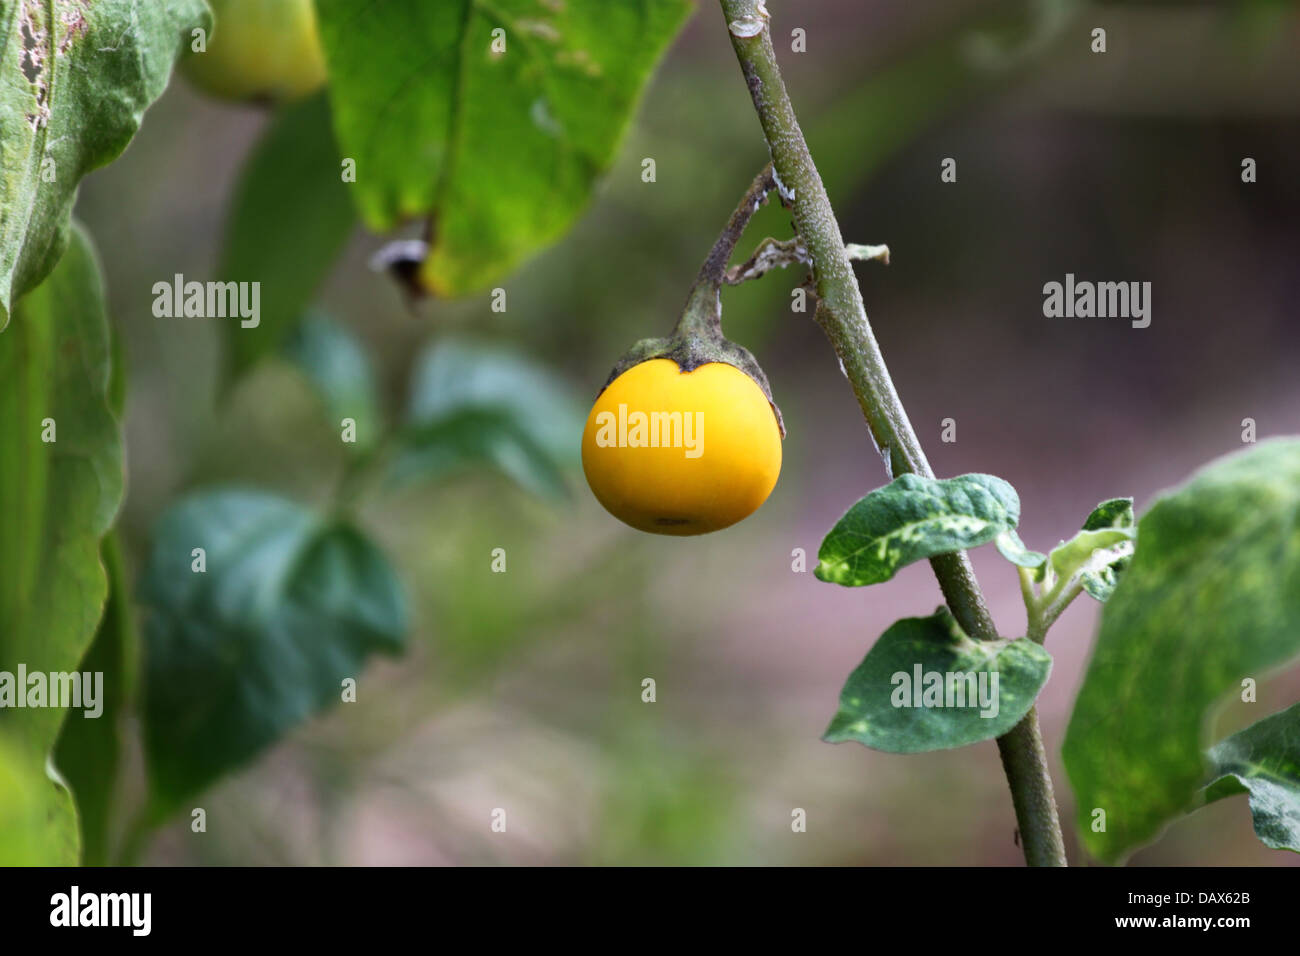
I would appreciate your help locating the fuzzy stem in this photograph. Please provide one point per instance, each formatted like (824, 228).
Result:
(714, 270)
(842, 315)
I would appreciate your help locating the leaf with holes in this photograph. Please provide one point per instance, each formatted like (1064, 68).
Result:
(926, 686)
(913, 518)
(75, 79)
(492, 120)
(1212, 595)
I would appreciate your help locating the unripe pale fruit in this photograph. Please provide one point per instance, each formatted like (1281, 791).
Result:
(682, 453)
(260, 50)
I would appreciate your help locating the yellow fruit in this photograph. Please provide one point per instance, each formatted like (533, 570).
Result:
(260, 50)
(718, 448)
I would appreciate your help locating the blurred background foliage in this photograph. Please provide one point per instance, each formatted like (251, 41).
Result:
(522, 690)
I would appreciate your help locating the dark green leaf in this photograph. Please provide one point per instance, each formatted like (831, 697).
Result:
(334, 362)
(474, 405)
(500, 149)
(925, 685)
(75, 79)
(1211, 596)
(913, 518)
(290, 604)
(1264, 761)
(290, 218)
(1115, 513)
(89, 749)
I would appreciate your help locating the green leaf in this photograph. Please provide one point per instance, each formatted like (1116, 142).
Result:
(1211, 596)
(26, 836)
(1264, 761)
(290, 218)
(89, 749)
(1090, 551)
(913, 518)
(500, 150)
(335, 363)
(1014, 550)
(1101, 551)
(75, 80)
(289, 605)
(1115, 513)
(472, 405)
(59, 497)
(925, 685)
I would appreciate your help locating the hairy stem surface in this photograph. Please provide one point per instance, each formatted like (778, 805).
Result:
(842, 315)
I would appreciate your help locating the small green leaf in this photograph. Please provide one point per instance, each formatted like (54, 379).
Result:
(1100, 569)
(75, 80)
(1115, 513)
(289, 219)
(1070, 557)
(1212, 595)
(913, 518)
(288, 605)
(332, 359)
(474, 405)
(494, 120)
(925, 686)
(1014, 550)
(1264, 761)
(89, 749)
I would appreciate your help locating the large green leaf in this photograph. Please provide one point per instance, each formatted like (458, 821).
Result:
(289, 219)
(1264, 761)
(473, 405)
(289, 605)
(1211, 596)
(89, 749)
(58, 499)
(499, 150)
(913, 518)
(75, 79)
(25, 806)
(925, 685)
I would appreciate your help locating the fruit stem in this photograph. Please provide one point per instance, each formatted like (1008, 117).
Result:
(702, 316)
(843, 317)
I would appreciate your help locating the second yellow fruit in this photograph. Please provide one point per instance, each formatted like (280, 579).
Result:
(260, 50)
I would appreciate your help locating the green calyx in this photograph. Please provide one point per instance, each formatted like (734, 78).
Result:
(696, 340)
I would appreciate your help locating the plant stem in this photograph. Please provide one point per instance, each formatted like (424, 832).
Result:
(842, 315)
